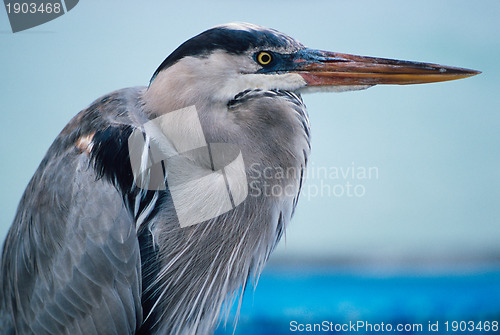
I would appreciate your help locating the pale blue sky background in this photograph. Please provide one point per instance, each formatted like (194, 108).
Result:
(435, 147)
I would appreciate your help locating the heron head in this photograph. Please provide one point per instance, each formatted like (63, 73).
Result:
(221, 62)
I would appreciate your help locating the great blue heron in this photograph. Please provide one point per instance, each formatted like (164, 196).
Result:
(100, 246)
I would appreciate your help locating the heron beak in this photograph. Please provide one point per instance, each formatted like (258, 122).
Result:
(321, 68)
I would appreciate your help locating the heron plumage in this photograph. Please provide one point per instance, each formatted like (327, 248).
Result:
(174, 260)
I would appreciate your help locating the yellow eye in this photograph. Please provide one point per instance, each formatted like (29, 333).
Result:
(264, 58)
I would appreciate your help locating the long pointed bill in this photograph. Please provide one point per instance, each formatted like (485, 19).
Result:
(319, 68)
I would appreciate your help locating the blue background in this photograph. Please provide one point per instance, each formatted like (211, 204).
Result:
(428, 220)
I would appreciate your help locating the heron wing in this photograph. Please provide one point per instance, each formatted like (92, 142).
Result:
(71, 261)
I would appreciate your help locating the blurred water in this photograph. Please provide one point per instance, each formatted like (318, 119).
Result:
(317, 295)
